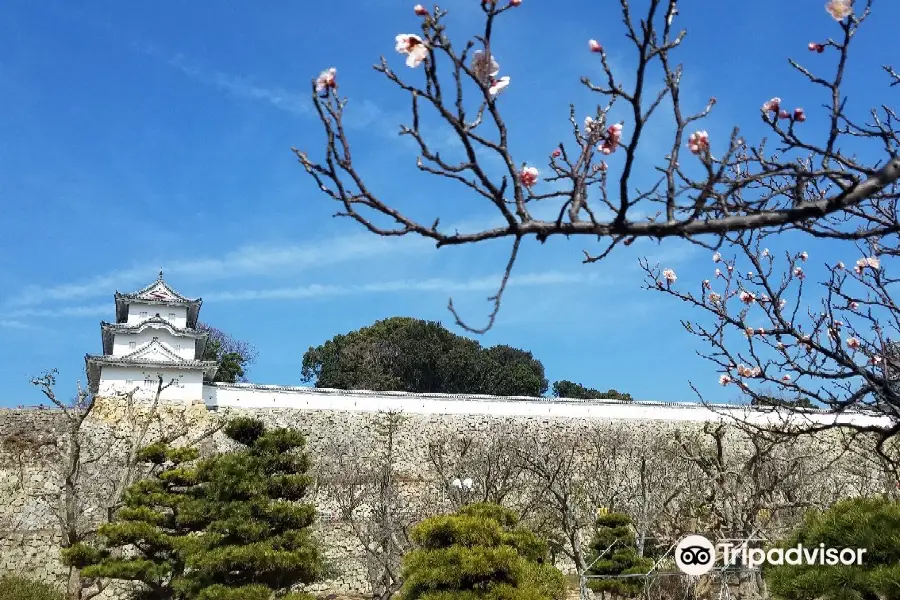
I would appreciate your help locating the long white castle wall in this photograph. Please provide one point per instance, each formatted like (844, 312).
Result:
(183, 347)
(251, 396)
(139, 312)
(117, 380)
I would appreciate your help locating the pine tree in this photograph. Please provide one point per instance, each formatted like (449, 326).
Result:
(480, 552)
(232, 527)
(872, 524)
(614, 552)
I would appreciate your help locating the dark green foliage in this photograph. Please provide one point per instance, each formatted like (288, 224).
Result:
(869, 523)
(570, 389)
(228, 527)
(480, 552)
(234, 356)
(406, 354)
(20, 588)
(614, 544)
(772, 401)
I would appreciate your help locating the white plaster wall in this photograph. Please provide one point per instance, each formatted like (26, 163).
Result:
(117, 380)
(136, 308)
(122, 341)
(261, 396)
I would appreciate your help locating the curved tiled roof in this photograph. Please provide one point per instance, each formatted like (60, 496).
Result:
(108, 330)
(158, 293)
(152, 354)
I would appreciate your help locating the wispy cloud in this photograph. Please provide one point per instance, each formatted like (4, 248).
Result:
(96, 310)
(244, 261)
(480, 284)
(14, 325)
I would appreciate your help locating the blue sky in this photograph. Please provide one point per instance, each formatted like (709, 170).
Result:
(135, 138)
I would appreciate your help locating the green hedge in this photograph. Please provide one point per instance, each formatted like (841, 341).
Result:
(20, 588)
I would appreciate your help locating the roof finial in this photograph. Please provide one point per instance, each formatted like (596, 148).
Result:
(160, 274)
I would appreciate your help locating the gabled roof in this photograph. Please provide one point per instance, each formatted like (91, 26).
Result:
(109, 330)
(153, 354)
(158, 293)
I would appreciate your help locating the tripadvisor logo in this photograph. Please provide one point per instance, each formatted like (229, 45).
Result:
(696, 555)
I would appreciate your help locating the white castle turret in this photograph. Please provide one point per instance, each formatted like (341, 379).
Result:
(154, 335)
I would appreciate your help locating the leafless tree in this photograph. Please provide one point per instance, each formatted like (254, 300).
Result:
(376, 500)
(729, 185)
(752, 484)
(488, 458)
(555, 467)
(95, 463)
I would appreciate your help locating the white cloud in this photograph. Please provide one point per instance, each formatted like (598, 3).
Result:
(481, 284)
(244, 261)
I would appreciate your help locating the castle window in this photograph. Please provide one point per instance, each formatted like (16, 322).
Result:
(129, 383)
(177, 347)
(143, 314)
(171, 316)
(132, 345)
(148, 383)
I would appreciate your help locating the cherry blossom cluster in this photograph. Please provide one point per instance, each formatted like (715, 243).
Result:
(774, 106)
(326, 81)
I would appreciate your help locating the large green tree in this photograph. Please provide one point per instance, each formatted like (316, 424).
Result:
(230, 527)
(480, 552)
(406, 354)
(872, 524)
(570, 389)
(233, 355)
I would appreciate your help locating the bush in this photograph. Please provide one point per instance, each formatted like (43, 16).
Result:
(20, 588)
(870, 523)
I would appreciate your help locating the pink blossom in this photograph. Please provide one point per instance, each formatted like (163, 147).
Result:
(765, 252)
(815, 47)
(718, 272)
(870, 261)
(613, 138)
(782, 303)
(783, 114)
(698, 142)
(484, 68)
(839, 266)
(730, 268)
(420, 10)
(839, 9)
(528, 176)
(853, 343)
(515, 2)
(556, 153)
(724, 379)
(749, 331)
(595, 46)
(326, 80)
(707, 284)
(717, 257)
(497, 85)
(415, 49)
(854, 305)
(773, 105)
(714, 297)
(803, 256)
(799, 115)
(875, 359)
(670, 276)
(798, 273)
(749, 274)
(761, 331)
(785, 378)
(747, 297)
